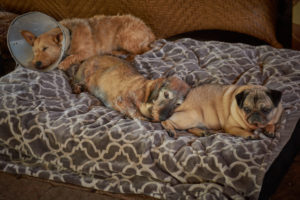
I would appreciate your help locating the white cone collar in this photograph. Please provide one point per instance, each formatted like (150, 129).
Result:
(37, 23)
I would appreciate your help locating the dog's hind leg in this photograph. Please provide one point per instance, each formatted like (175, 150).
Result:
(135, 39)
(134, 48)
(197, 131)
(202, 132)
(128, 56)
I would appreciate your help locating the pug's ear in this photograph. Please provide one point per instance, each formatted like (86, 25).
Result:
(152, 89)
(240, 98)
(275, 96)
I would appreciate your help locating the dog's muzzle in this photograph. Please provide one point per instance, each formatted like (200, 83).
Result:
(256, 119)
(166, 112)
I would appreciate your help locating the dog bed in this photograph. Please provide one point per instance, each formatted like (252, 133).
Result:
(48, 132)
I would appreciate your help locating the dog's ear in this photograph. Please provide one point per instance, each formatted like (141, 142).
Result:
(176, 84)
(275, 96)
(240, 98)
(58, 38)
(152, 89)
(28, 36)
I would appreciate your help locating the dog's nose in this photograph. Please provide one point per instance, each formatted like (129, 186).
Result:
(163, 117)
(256, 119)
(38, 64)
(165, 113)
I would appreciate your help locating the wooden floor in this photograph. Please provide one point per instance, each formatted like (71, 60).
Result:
(289, 188)
(14, 187)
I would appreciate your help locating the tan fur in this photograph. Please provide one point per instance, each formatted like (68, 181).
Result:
(119, 86)
(46, 47)
(92, 36)
(214, 107)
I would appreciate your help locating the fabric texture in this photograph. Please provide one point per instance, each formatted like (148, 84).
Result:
(48, 132)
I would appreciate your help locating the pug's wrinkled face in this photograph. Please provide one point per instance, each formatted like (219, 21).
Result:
(166, 98)
(258, 105)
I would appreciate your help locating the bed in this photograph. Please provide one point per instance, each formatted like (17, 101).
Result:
(51, 133)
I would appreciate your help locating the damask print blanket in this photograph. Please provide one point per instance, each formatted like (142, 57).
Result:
(48, 132)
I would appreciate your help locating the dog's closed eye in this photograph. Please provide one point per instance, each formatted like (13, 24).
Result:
(166, 95)
(266, 110)
(45, 48)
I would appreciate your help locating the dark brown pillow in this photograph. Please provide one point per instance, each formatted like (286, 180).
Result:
(5, 19)
(168, 17)
(252, 17)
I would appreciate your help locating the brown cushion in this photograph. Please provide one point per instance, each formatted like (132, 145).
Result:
(169, 17)
(5, 19)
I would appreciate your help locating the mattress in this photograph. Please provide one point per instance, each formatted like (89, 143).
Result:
(48, 132)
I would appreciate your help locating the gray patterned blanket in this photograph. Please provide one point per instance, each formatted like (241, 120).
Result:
(48, 132)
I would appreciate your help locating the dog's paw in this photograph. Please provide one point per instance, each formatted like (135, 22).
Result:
(207, 133)
(169, 128)
(77, 88)
(171, 133)
(63, 66)
(269, 131)
(268, 134)
(252, 137)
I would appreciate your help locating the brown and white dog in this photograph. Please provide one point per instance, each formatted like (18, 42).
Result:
(92, 36)
(119, 86)
(238, 110)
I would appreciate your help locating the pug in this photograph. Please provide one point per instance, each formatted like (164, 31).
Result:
(238, 110)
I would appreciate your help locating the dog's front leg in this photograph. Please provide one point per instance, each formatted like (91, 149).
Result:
(134, 114)
(127, 107)
(72, 59)
(237, 131)
(138, 115)
(132, 111)
(170, 128)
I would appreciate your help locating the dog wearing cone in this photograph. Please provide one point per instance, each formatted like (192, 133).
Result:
(91, 36)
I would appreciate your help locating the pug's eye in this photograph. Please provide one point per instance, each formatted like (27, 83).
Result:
(247, 110)
(45, 48)
(266, 110)
(166, 95)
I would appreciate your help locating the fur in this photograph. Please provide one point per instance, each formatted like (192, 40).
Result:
(90, 36)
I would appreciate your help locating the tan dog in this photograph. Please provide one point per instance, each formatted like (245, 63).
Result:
(88, 37)
(238, 110)
(119, 86)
